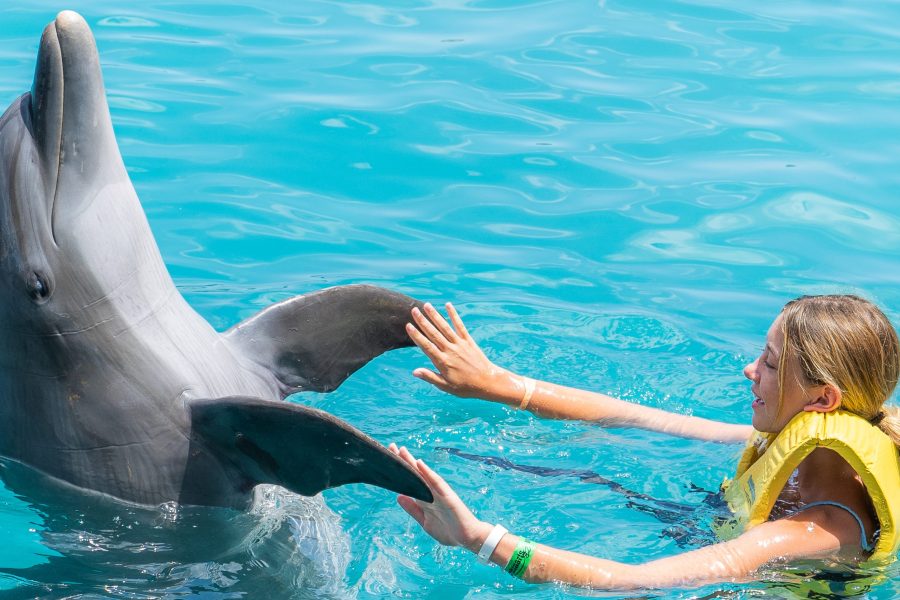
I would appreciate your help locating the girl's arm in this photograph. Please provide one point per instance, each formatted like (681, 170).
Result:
(818, 532)
(464, 370)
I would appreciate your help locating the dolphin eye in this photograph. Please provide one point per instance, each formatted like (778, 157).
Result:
(38, 288)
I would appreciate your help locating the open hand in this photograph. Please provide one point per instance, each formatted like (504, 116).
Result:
(462, 368)
(447, 519)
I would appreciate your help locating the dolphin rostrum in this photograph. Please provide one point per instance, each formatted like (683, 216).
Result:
(109, 380)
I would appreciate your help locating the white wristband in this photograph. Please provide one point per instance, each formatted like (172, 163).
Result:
(530, 384)
(490, 544)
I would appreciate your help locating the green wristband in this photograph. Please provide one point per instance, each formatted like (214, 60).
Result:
(521, 557)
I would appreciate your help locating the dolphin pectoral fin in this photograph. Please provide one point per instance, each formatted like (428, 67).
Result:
(247, 441)
(314, 342)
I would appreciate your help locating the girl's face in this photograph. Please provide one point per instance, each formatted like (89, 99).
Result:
(799, 394)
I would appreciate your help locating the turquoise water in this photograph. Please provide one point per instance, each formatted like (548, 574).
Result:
(617, 195)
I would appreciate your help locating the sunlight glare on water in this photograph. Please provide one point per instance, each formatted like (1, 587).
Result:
(616, 195)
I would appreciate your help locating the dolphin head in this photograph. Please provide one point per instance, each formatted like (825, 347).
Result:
(75, 247)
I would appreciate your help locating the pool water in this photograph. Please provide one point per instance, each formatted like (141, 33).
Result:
(617, 195)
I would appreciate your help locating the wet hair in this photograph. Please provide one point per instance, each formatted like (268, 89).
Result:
(848, 342)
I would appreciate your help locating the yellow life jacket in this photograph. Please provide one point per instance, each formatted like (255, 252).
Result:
(870, 452)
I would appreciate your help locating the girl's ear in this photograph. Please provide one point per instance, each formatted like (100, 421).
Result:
(827, 398)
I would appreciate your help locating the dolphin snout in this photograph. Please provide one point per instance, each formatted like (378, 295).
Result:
(85, 114)
(73, 127)
(68, 67)
(70, 18)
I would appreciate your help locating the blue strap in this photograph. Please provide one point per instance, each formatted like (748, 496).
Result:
(862, 535)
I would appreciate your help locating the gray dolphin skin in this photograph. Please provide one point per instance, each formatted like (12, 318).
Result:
(109, 380)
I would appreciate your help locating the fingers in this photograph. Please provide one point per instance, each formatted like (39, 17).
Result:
(412, 508)
(427, 327)
(435, 481)
(419, 339)
(431, 377)
(440, 323)
(408, 504)
(405, 456)
(404, 453)
(457, 321)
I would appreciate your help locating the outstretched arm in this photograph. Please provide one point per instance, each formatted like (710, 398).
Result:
(815, 533)
(464, 370)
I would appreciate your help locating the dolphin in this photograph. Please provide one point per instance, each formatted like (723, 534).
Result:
(109, 380)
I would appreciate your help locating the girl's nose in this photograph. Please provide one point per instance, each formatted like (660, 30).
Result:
(751, 370)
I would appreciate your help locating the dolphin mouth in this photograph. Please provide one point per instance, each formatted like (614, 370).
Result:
(46, 106)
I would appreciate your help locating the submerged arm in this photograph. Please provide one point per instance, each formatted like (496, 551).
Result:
(740, 559)
(815, 533)
(464, 370)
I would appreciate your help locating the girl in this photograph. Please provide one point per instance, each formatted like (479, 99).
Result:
(821, 442)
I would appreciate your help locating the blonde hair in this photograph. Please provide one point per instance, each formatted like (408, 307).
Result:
(847, 342)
